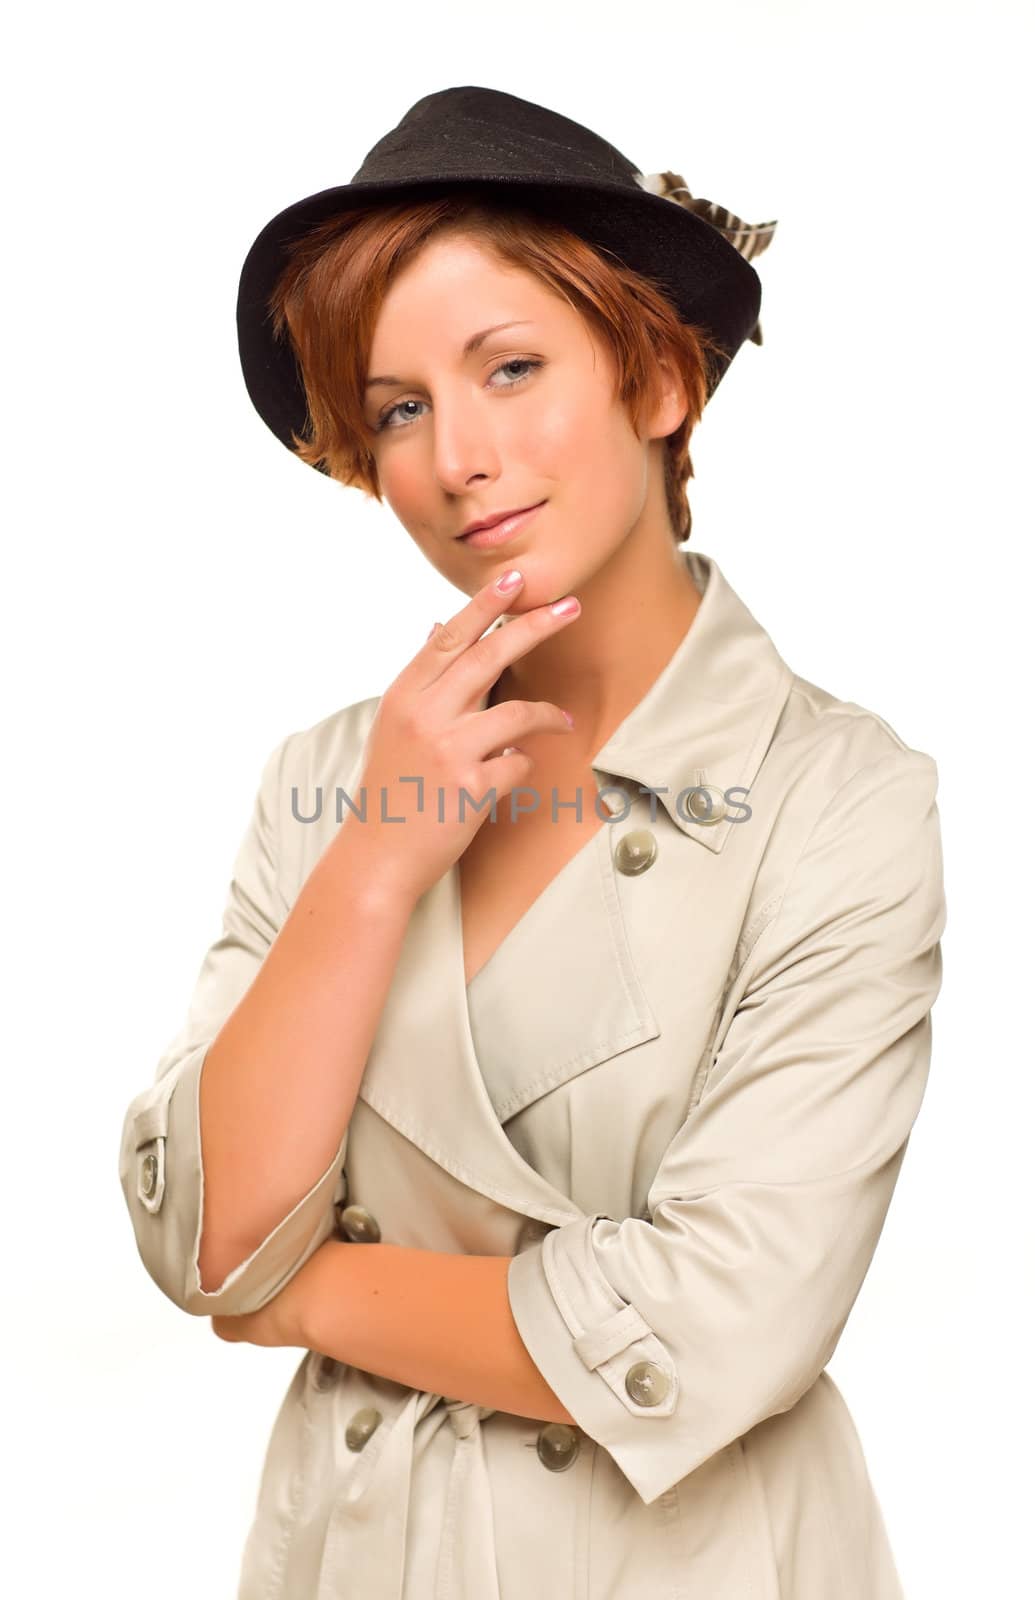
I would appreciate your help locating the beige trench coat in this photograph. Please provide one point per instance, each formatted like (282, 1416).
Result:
(713, 1039)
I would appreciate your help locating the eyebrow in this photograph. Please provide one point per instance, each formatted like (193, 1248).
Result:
(473, 343)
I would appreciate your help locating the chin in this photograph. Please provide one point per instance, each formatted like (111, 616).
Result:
(543, 583)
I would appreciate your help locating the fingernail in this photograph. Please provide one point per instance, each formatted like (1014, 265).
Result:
(509, 580)
(565, 608)
(569, 717)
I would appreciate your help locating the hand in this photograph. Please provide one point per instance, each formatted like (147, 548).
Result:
(284, 1320)
(425, 727)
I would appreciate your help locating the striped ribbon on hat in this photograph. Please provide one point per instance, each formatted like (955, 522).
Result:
(748, 238)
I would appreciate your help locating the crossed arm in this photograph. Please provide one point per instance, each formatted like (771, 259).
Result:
(424, 1318)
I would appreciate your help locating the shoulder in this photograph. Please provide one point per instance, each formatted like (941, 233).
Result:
(823, 743)
(303, 782)
(849, 849)
(315, 760)
(841, 795)
(326, 752)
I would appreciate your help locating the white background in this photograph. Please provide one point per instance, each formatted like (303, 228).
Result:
(181, 592)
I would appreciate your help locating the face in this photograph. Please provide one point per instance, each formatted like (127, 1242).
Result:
(528, 417)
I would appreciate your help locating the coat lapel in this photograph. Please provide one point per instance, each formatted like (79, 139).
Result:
(593, 1005)
(423, 1077)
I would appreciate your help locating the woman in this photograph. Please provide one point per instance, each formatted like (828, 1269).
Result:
(613, 1082)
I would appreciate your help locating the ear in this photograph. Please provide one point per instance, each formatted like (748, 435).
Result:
(670, 403)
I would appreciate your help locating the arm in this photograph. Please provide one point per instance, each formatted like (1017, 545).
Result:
(668, 1339)
(440, 1322)
(246, 1122)
(281, 1077)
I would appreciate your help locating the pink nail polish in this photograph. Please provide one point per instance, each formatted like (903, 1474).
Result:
(565, 608)
(508, 581)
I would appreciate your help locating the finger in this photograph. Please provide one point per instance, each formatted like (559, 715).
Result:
(476, 669)
(494, 730)
(505, 771)
(447, 639)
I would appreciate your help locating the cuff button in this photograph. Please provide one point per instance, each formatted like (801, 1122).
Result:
(148, 1175)
(647, 1383)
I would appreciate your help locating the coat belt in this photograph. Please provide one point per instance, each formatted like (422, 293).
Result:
(365, 1549)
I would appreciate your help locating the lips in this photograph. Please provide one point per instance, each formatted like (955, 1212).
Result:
(486, 538)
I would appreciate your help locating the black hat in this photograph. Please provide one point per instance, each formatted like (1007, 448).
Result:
(696, 252)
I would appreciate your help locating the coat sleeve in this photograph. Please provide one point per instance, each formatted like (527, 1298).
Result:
(160, 1166)
(668, 1339)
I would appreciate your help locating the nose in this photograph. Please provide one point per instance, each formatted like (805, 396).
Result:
(464, 444)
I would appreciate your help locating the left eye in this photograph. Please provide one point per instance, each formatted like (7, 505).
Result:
(516, 361)
(529, 363)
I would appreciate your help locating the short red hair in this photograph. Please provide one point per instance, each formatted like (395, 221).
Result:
(326, 301)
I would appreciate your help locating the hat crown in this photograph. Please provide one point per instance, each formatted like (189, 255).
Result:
(436, 137)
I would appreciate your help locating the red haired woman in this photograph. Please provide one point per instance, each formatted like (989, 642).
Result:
(584, 976)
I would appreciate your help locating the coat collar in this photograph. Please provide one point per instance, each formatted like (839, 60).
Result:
(707, 719)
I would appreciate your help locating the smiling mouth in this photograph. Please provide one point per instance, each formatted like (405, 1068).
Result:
(486, 538)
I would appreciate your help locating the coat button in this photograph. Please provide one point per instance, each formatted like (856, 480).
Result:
(357, 1224)
(325, 1372)
(706, 804)
(635, 851)
(647, 1383)
(363, 1424)
(148, 1175)
(557, 1445)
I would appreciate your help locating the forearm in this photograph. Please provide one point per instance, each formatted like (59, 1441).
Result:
(279, 1083)
(433, 1321)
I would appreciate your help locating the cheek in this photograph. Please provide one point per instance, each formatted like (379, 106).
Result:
(406, 484)
(593, 451)
(564, 439)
